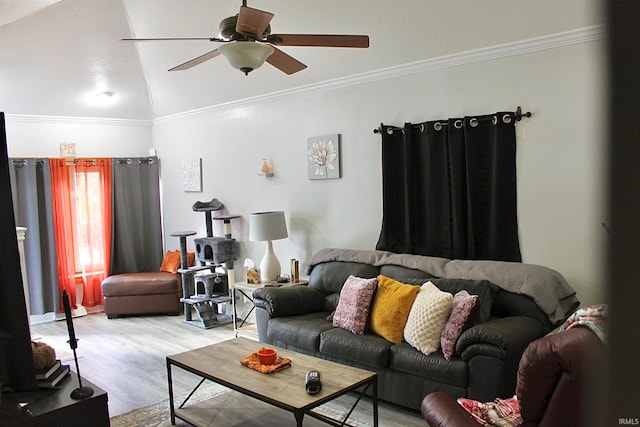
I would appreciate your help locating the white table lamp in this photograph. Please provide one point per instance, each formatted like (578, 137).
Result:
(268, 226)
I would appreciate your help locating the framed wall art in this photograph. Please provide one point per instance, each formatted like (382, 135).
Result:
(323, 157)
(192, 175)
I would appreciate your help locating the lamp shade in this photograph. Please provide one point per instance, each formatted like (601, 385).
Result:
(267, 226)
(246, 56)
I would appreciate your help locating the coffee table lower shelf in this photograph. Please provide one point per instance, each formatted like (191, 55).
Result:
(232, 409)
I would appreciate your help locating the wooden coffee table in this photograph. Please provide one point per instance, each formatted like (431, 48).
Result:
(284, 389)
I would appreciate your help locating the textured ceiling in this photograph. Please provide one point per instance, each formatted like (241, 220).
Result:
(56, 55)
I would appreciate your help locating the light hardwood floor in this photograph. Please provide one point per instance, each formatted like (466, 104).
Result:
(126, 357)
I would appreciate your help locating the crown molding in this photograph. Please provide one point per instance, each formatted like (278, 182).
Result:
(522, 47)
(21, 118)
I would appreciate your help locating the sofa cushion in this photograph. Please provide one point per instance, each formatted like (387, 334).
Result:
(508, 304)
(434, 366)
(331, 302)
(301, 331)
(366, 351)
(329, 277)
(172, 261)
(391, 306)
(398, 271)
(353, 307)
(427, 318)
(464, 314)
(144, 283)
(485, 290)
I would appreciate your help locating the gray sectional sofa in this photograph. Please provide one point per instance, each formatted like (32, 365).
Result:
(519, 304)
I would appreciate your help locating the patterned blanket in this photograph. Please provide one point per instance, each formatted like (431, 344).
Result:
(499, 413)
(594, 317)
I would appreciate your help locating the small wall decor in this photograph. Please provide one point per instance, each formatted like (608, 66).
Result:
(67, 149)
(192, 175)
(323, 157)
(266, 168)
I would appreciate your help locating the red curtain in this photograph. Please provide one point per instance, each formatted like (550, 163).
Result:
(81, 192)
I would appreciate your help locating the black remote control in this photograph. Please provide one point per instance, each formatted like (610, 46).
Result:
(312, 382)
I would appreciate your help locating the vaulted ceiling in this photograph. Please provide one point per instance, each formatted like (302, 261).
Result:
(56, 55)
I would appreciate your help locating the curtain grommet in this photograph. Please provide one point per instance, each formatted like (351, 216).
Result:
(437, 126)
(389, 131)
(494, 120)
(473, 122)
(506, 118)
(458, 124)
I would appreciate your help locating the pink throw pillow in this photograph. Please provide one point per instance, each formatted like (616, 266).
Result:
(354, 304)
(464, 315)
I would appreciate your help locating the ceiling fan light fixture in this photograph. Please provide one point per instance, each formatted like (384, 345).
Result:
(246, 56)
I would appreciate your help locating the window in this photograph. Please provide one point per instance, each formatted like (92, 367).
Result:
(81, 192)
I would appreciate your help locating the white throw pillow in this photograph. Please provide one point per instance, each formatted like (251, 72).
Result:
(427, 318)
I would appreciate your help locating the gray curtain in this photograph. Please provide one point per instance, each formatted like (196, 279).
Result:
(31, 190)
(136, 225)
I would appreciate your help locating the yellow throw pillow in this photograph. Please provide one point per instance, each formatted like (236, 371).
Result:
(391, 307)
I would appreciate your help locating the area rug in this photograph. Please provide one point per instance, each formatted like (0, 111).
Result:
(237, 410)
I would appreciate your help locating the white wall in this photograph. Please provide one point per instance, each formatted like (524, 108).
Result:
(40, 136)
(560, 156)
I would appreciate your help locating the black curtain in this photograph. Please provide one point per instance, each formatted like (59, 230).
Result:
(449, 188)
(137, 229)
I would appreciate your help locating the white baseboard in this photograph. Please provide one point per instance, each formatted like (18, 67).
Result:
(35, 319)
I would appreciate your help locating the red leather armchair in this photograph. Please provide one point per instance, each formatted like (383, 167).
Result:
(554, 376)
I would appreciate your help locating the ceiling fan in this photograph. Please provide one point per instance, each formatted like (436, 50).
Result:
(247, 43)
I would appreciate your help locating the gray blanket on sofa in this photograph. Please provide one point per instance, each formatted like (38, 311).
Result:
(545, 286)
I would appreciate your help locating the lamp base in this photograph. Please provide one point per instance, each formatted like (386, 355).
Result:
(81, 393)
(269, 266)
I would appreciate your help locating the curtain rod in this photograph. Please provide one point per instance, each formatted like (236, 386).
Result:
(139, 160)
(518, 115)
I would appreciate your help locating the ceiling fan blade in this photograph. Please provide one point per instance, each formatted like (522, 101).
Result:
(195, 61)
(285, 62)
(169, 39)
(253, 21)
(320, 40)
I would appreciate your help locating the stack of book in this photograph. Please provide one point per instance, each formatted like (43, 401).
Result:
(52, 376)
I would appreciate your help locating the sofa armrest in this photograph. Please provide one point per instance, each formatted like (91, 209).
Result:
(288, 300)
(439, 409)
(504, 338)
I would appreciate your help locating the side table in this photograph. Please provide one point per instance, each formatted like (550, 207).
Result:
(245, 290)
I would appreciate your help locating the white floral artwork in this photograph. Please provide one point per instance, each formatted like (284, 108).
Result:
(192, 175)
(323, 155)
